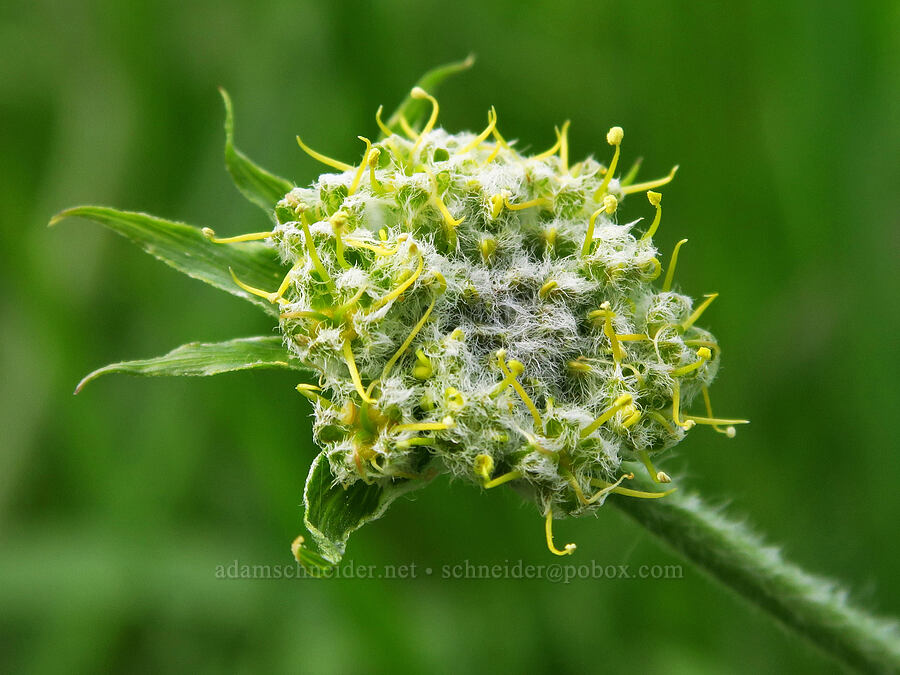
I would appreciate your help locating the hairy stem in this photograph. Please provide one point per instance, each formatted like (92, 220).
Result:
(814, 607)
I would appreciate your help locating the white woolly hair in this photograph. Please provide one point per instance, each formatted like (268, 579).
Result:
(509, 293)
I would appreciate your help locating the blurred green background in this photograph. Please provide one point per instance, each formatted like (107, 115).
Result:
(117, 506)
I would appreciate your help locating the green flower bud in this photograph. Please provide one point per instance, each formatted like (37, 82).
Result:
(493, 302)
(469, 309)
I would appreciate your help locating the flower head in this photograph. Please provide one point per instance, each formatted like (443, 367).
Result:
(475, 310)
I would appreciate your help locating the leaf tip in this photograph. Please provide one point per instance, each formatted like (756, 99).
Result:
(226, 99)
(87, 378)
(62, 215)
(229, 122)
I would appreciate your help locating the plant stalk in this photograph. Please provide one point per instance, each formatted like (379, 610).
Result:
(814, 607)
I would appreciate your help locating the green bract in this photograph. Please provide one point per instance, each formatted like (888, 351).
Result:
(464, 308)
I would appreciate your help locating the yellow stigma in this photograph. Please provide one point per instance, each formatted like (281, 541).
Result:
(478, 140)
(338, 221)
(552, 150)
(397, 292)
(311, 392)
(408, 130)
(341, 311)
(549, 236)
(703, 355)
(717, 421)
(548, 528)
(286, 282)
(564, 147)
(266, 295)
(487, 246)
(446, 423)
(421, 94)
(484, 467)
(656, 416)
(655, 199)
(610, 204)
(454, 398)
(409, 339)
(451, 222)
(375, 248)
(650, 184)
(497, 202)
(540, 201)
(580, 365)
(505, 478)
(629, 492)
(314, 255)
(656, 476)
(491, 157)
(354, 373)
(614, 138)
(589, 235)
(514, 383)
(362, 165)
(515, 369)
(587, 501)
(378, 187)
(502, 141)
(210, 234)
(620, 402)
(676, 405)
(697, 312)
(632, 417)
(729, 431)
(423, 368)
(306, 314)
(618, 352)
(413, 442)
(381, 125)
(328, 161)
(670, 273)
(547, 288)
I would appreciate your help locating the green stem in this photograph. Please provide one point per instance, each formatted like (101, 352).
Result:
(814, 607)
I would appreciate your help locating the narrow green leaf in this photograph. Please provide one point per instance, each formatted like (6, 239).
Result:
(197, 359)
(186, 249)
(334, 512)
(256, 184)
(415, 110)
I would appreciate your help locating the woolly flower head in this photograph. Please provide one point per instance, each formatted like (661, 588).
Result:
(471, 309)
(480, 311)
